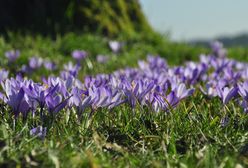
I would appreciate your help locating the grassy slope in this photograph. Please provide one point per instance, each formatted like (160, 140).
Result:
(190, 135)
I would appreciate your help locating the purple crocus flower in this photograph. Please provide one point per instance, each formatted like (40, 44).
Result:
(182, 92)
(136, 91)
(3, 74)
(56, 103)
(12, 55)
(49, 65)
(226, 93)
(77, 96)
(115, 46)
(216, 46)
(102, 59)
(104, 96)
(231, 75)
(244, 105)
(218, 49)
(79, 54)
(173, 99)
(15, 98)
(39, 131)
(25, 69)
(87, 102)
(157, 102)
(62, 85)
(243, 90)
(163, 102)
(72, 69)
(156, 63)
(209, 91)
(35, 62)
(39, 93)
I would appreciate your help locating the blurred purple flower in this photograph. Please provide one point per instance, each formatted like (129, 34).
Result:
(35, 62)
(115, 46)
(72, 69)
(102, 59)
(3, 74)
(12, 55)
(218, 49)
(243, 90)
(79, 54)
(25, 69)
(209, 91)
(49, 65)
(216, 46)
(39, 131)
(244, 105)
(156, 63)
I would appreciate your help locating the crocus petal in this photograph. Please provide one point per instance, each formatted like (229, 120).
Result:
(228, 94)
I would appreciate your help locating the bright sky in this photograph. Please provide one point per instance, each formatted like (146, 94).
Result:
(197, 19)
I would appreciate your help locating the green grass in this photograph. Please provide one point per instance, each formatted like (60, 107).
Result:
(188, 136)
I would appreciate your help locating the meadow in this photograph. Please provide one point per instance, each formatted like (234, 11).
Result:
(91, 101)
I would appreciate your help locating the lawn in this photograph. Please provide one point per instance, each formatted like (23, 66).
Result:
(198, 130)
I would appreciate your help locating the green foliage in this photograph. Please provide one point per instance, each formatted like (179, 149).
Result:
(135, 48)
(109, 17)
(239, 53)
(60, 16)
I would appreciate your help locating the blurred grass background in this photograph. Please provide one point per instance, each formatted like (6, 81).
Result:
(54, 29)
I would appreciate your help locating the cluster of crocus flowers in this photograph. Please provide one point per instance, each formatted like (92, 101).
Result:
(152, 84)
(36, 63)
